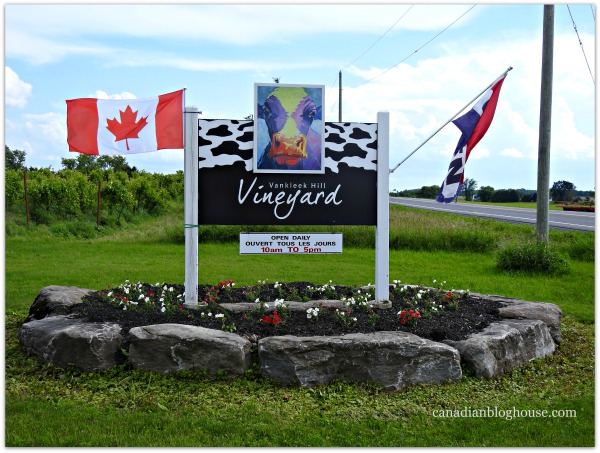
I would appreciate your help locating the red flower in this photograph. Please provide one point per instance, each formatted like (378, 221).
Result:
(403, 321)
(276, 318)
(180, 307)
(266, 319)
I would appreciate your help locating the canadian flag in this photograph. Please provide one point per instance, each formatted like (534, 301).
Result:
(106, 126)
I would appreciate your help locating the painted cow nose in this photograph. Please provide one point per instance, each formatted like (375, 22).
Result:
(288, 150)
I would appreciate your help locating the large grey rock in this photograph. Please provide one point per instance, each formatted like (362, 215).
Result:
(393, 359)
(64, 341)
(504, 345)
(520, 309)
(291, 305)
(175, 347)
(550, 314)
(56, 300)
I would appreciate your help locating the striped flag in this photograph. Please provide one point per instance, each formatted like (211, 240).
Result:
(128, 126)
(473, 125)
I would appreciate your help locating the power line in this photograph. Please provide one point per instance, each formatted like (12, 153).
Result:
(581, 44)
(415, 51)
(369, 48)
(380, 38)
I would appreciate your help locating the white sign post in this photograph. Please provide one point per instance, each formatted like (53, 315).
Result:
(382, 231)
(190, 185)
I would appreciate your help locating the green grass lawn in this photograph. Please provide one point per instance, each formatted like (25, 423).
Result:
(47, 406)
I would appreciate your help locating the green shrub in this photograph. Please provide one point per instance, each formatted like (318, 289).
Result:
(534, 257)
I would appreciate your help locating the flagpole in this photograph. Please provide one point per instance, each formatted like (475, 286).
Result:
(455, 115)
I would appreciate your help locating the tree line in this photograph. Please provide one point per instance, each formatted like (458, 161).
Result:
(87, 186)
(560, 191)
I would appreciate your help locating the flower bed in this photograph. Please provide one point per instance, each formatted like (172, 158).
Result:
(422, 335)
(277, 309)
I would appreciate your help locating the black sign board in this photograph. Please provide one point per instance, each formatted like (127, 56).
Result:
(230, 193)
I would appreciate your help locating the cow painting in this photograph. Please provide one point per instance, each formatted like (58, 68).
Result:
(289, 129)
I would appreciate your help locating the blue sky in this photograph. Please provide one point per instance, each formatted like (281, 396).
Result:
(393, 57)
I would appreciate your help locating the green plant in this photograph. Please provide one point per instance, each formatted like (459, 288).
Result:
(373, 317)
(273, 319)
(326, 291)
(532, 257)
(409, 317)
(313, 313)
(344, 317)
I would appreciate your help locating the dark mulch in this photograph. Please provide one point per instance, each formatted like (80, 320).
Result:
(472, 315)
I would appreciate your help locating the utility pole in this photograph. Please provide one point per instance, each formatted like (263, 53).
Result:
(340, 100)
(543, 181)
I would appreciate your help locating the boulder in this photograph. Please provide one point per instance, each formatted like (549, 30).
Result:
(550, 314)
(65, 341)
(520, 309)
(504, 345)
(291, 305)
(175, 347)
(56, 300)
(393, 359)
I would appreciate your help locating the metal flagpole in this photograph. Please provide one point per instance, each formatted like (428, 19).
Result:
(457, 113)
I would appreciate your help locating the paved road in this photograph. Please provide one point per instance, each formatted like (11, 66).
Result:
(565, 220)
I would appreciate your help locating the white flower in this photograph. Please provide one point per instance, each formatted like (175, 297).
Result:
(219, 315)
(147, 299)
(312, 312)
(126, 290)
(171, 289)
(257, 300)
(109, 294)
(162, 309)
(210, 314)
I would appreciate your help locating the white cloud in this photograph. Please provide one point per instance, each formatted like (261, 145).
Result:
(512, 152)
(104, 95)
(16, 91)
(42, 50)
(479, 152)
(245, 24)
(47, 127)
(566, 140)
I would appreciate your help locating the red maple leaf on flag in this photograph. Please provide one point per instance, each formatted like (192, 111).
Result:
(128, 127)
